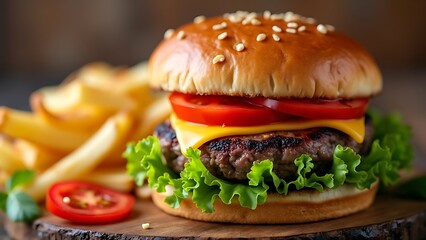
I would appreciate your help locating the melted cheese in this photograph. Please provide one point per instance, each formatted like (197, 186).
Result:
(194, 135)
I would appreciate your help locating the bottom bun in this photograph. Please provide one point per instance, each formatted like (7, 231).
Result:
(296, 207)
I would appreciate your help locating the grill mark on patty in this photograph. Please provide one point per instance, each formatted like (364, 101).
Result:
(317, 134)
(272, 142)
(221, 145)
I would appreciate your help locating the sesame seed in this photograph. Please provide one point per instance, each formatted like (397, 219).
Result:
(251, 15)
(290, 16)
(242, 13)
(248, 19)
(145, 225)
(218, 58)
(276, 37)
(277, 16)
(292, 25)
(168, 33)
(330, 28)
(276, 29)
(219, 26)
(266, 14)
(234, 18)
(66, 200)
(180, 35)
(255, 21)
(301, 28)
(261, 37)
(291, 30)
(222, 36)
(322, 29)
(310, 20)
(199, 19)
(239, 47)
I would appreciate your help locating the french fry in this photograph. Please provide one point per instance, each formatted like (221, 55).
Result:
(134, 86)
(84, 159)
(77, 96)
(78, 128)
(97, 75)
(115, 178)
(145, 124)
(87, 120)
(132, 82)
(153, 115)
(35, 157)
(10, 160)
(120, 80)
(21, 124)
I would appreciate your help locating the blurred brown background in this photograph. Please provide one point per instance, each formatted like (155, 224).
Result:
(43, 41)
(42, 37)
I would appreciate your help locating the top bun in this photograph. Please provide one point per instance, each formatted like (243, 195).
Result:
(270, 55)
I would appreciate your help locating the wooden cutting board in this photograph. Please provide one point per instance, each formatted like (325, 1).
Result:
(389, 218)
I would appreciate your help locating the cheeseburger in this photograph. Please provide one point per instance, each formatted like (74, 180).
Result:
(268, 125)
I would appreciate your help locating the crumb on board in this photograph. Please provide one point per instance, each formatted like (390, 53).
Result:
(145, 225)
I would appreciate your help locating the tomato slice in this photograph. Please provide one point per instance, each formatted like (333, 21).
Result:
(316, 108)
(85, 202)
(240, 111)
(223, 110)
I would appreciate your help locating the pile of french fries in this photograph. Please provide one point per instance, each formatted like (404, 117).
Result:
(79, 129)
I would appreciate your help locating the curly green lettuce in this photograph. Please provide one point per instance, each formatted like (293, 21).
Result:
(390, 152)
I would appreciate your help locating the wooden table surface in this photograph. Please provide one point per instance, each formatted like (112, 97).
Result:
(380, 220)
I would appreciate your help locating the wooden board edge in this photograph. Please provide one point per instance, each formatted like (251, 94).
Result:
(409, 227)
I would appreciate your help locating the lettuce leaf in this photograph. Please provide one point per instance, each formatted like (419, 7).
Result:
(395, 137)
(389, 152)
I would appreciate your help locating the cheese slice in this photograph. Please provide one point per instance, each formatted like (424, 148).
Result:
(194, 135)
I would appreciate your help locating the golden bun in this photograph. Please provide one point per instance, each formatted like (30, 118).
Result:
(297, 207)
(318, 62)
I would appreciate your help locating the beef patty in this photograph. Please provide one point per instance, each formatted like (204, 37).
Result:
(232, 157)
